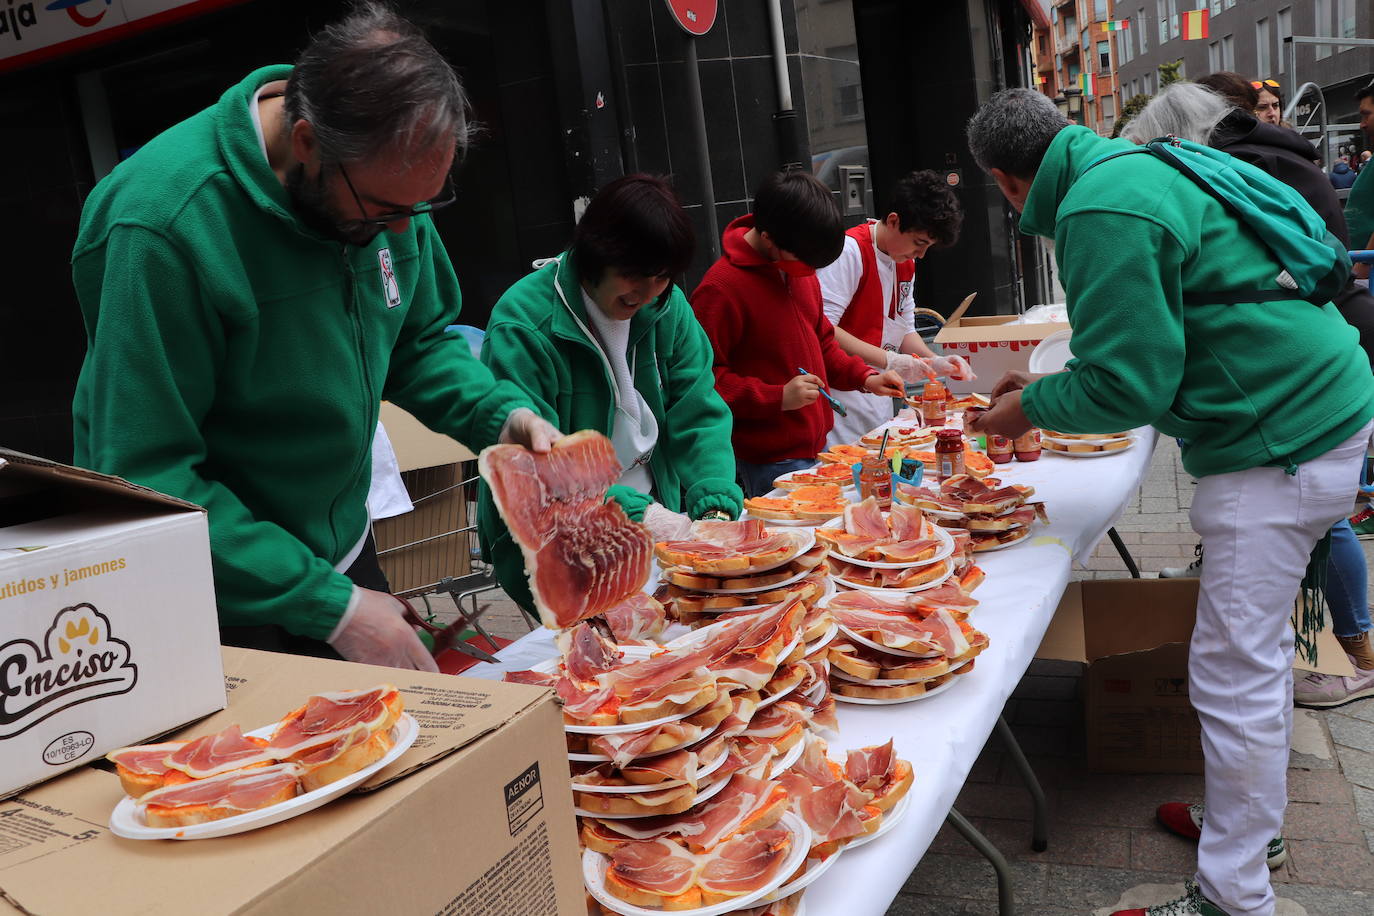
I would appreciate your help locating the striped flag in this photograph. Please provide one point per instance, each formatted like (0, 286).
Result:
(1088, 83)
(1041, 79)
(1116, 25)
(1194, 24)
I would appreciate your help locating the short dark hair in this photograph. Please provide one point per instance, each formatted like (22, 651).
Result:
(1366, 93)
(923, 200)
(372, 82)
(1232, 87)
(635, 224)
(1012, 130)
(800, 215)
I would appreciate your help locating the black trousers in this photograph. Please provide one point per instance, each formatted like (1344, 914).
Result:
(366, 572)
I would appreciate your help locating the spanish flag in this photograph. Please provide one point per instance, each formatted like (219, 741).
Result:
(1088, 83)
(1194, 24)
(1116, 25)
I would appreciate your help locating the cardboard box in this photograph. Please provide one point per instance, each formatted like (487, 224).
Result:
(108, 628)
(993, 345)
(480, 825)
(1134, 634)
(416, 445)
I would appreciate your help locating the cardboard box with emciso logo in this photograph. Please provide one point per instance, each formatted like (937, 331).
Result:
(108, 630)
(473, 819)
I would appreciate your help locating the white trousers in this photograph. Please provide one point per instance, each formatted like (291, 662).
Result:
(1258, 528)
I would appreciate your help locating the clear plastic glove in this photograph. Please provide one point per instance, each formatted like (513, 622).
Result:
(956, 367)
(527, 428)
(376, 634)
(666, 525)
(910, 368)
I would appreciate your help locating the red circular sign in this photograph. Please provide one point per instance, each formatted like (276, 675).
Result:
(695, 16)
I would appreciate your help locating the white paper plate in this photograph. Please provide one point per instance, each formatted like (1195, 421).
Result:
(864, 641)
(594, 865)
(702, 771)
(784, 763)
(127, 818)
(704, 633)
(580, 757)
(825, 595)
(944, 550)
(1116, 451)
(1000, 546)
(814, 869)
(1104, 440)
(865, 701)
(1052, 354)
(786, 522)
(890, 682)
(822, 641)
(890, 819)
(846, 488)
(703, 793)
(949, 571)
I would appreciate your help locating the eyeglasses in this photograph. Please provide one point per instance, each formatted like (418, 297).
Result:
(446, 196)
(1264, 84)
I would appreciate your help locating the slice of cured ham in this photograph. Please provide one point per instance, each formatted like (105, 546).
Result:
(909, 550)
(745, 863)
(937, 633)
(907, 522)
(865, 519)
(744, 804)
(637, 617)
(833, 811)
(327, 717)
(583, 555)
(234, 793)
(870, 767)
(658, 866)
(145, 759)
(214, 754)
(586, 653)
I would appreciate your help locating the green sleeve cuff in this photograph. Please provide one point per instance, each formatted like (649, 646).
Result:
(714, 493)
(631, 500)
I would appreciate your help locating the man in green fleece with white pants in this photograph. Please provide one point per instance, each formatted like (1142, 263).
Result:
(1272, 400)
(253, 281)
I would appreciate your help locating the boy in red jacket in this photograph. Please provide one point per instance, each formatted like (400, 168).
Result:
(761, 307)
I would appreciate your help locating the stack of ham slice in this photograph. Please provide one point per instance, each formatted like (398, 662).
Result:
(893, 550)
(895, 649)
(993, 515)
(583, 555)
(720, 548)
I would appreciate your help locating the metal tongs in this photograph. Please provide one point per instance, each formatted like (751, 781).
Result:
(447, 637)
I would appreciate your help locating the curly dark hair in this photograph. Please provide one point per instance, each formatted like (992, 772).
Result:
(922, 200)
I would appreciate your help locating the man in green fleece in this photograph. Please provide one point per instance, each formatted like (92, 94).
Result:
(601, 338)
(253, 281)
(1271, 398)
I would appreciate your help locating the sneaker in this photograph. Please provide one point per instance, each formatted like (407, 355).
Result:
(1192, 903)
(1363, 523)
(1192, 571)
(1324, 691)
(1185, 820)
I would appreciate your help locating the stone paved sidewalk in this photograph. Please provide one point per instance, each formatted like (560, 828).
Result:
(1106, 851)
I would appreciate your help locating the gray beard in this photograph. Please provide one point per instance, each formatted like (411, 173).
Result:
(310, 202)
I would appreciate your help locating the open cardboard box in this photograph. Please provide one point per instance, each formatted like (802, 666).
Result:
(992, 344)
(108, 628)
(1134, 634)
(480, 825)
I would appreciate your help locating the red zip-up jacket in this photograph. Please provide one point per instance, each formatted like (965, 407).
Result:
(763, 326)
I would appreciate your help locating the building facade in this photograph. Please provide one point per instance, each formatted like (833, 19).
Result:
(1076, 60)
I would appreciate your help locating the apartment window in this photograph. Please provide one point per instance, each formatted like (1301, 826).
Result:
(1345, 19)
(1108, 108)
(1284, 24)
(1099, 10)
(1144, 29)
(1215, 7)
(1214, 57)
(1163, 25)
(1323, 27)
(1263, 66)
(1230, 3)
(1125, 49)
(1104, 57)
(1228, 53)
(1073, 73)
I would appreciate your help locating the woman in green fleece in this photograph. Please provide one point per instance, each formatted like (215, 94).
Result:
(1203, 319)
(600, 338)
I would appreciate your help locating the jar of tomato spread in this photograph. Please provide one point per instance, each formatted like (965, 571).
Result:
(875, 479)
(933, 398)
(999, 449)
(949, 453)
(1027, 446)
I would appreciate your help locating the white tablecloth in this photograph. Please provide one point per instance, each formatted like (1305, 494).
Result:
(942, 736)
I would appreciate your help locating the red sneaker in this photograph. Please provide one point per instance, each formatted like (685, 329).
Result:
(1181, 818)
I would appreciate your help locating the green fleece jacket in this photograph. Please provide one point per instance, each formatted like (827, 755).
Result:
(236, 359)
(540, 338)
(1245, 385)
(1359, 210)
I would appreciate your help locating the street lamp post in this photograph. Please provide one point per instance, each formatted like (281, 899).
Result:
(1073, 101)
(1062, 104)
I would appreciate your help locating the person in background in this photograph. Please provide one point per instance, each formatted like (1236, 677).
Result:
(1269, 102)
(1359, 205)
(601, 338)
(254, 281)
(760, 304)
(867, 294)
(1176, 306)
(1342, 175)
